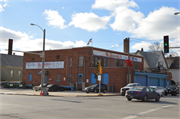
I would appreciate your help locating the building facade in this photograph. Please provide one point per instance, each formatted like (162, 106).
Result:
(77, 67)
(11, 67)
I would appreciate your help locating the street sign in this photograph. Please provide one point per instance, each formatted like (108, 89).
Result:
(99, 77)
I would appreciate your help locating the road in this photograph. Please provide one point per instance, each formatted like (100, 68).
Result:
(111, 107)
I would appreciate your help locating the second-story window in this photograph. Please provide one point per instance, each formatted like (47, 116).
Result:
(117, 63)
(80, 60)
(105, 62)
(70, 61)
(122, 63)
(11, 73)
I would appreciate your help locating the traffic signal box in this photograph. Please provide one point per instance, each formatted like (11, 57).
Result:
(166, 44)
(10, 47)
(99, 67)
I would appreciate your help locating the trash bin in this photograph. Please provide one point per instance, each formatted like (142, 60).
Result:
(20, 85)
(10, 85)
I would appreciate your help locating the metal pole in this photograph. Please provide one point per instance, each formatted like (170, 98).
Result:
(128, 58)
(43, 59)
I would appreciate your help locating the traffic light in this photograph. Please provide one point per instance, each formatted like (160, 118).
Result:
(10, 47)
(98, 67)
(100, 70)
(166, 44)
(95, 76)
(128, 63)
(47, 72)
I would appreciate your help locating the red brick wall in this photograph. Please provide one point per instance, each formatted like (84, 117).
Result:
(117, 75)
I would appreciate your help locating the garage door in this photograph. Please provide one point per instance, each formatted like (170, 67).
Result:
(162, 83)
(141, 80)
(153, 81)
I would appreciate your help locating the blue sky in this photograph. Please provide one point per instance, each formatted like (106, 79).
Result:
(71, 23)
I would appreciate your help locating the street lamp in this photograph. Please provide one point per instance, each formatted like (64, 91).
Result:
(43, 57)
(176, 13)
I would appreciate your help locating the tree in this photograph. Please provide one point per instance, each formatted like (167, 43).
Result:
(156, 46)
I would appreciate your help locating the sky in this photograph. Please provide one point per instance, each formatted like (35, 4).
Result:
(72, 23)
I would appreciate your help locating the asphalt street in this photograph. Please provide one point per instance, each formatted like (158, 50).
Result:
(99, 107)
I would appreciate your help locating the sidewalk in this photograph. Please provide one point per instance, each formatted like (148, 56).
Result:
(30, 92)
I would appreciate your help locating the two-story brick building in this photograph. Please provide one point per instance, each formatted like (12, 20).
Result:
(77, 66)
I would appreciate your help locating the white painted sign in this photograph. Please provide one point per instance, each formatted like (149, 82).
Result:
(99, 77)
(47, 65)
(117, 56)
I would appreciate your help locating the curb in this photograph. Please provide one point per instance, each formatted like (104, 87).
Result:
(10, 93)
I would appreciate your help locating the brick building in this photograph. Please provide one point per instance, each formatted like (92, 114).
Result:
(77, 66)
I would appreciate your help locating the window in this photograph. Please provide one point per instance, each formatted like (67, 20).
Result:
(105, 62)
(117, 63)
(69, 78)
(58, 77)
(122, 63)
(96, 60)
(11, 73)
(160, 63)
(92, 60)
(30, 77)
(147, 89)
(100, 60)
(70, 61)
(19, 73)
(136, 64)
(81, 61)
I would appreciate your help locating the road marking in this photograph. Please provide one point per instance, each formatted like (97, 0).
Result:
(152, 110)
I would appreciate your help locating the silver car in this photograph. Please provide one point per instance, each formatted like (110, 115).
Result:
(159, 90)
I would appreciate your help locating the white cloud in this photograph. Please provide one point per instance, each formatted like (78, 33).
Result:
(54, 19)
(2, 6)
(126, 19)
(89, 21)
(143, 44)
(157, 24)
(23, 42)
(62, 7)
(112, 4)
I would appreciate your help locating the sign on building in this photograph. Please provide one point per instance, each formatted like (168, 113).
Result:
(47, 65)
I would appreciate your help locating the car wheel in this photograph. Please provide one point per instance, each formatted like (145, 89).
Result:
(95, 91)
(162, 94)
(104, 91)
(165, 94)
(129, 99)
(157, 98)
(87, 92)
(62, 89)
(145, 98)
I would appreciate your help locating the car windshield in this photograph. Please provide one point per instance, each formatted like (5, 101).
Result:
(137, 88)
(172, 86)
(131, 85)
(49, 85)
(94, 85)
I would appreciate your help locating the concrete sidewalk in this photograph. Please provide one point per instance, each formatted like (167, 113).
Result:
(30, 92)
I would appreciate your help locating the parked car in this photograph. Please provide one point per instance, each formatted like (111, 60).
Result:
(54, 87)
(95, 88)
(127, 87)
(172, 89)
(143, 93)
(160, 90)
(37, 88)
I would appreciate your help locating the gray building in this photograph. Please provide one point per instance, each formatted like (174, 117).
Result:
(11, 68)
